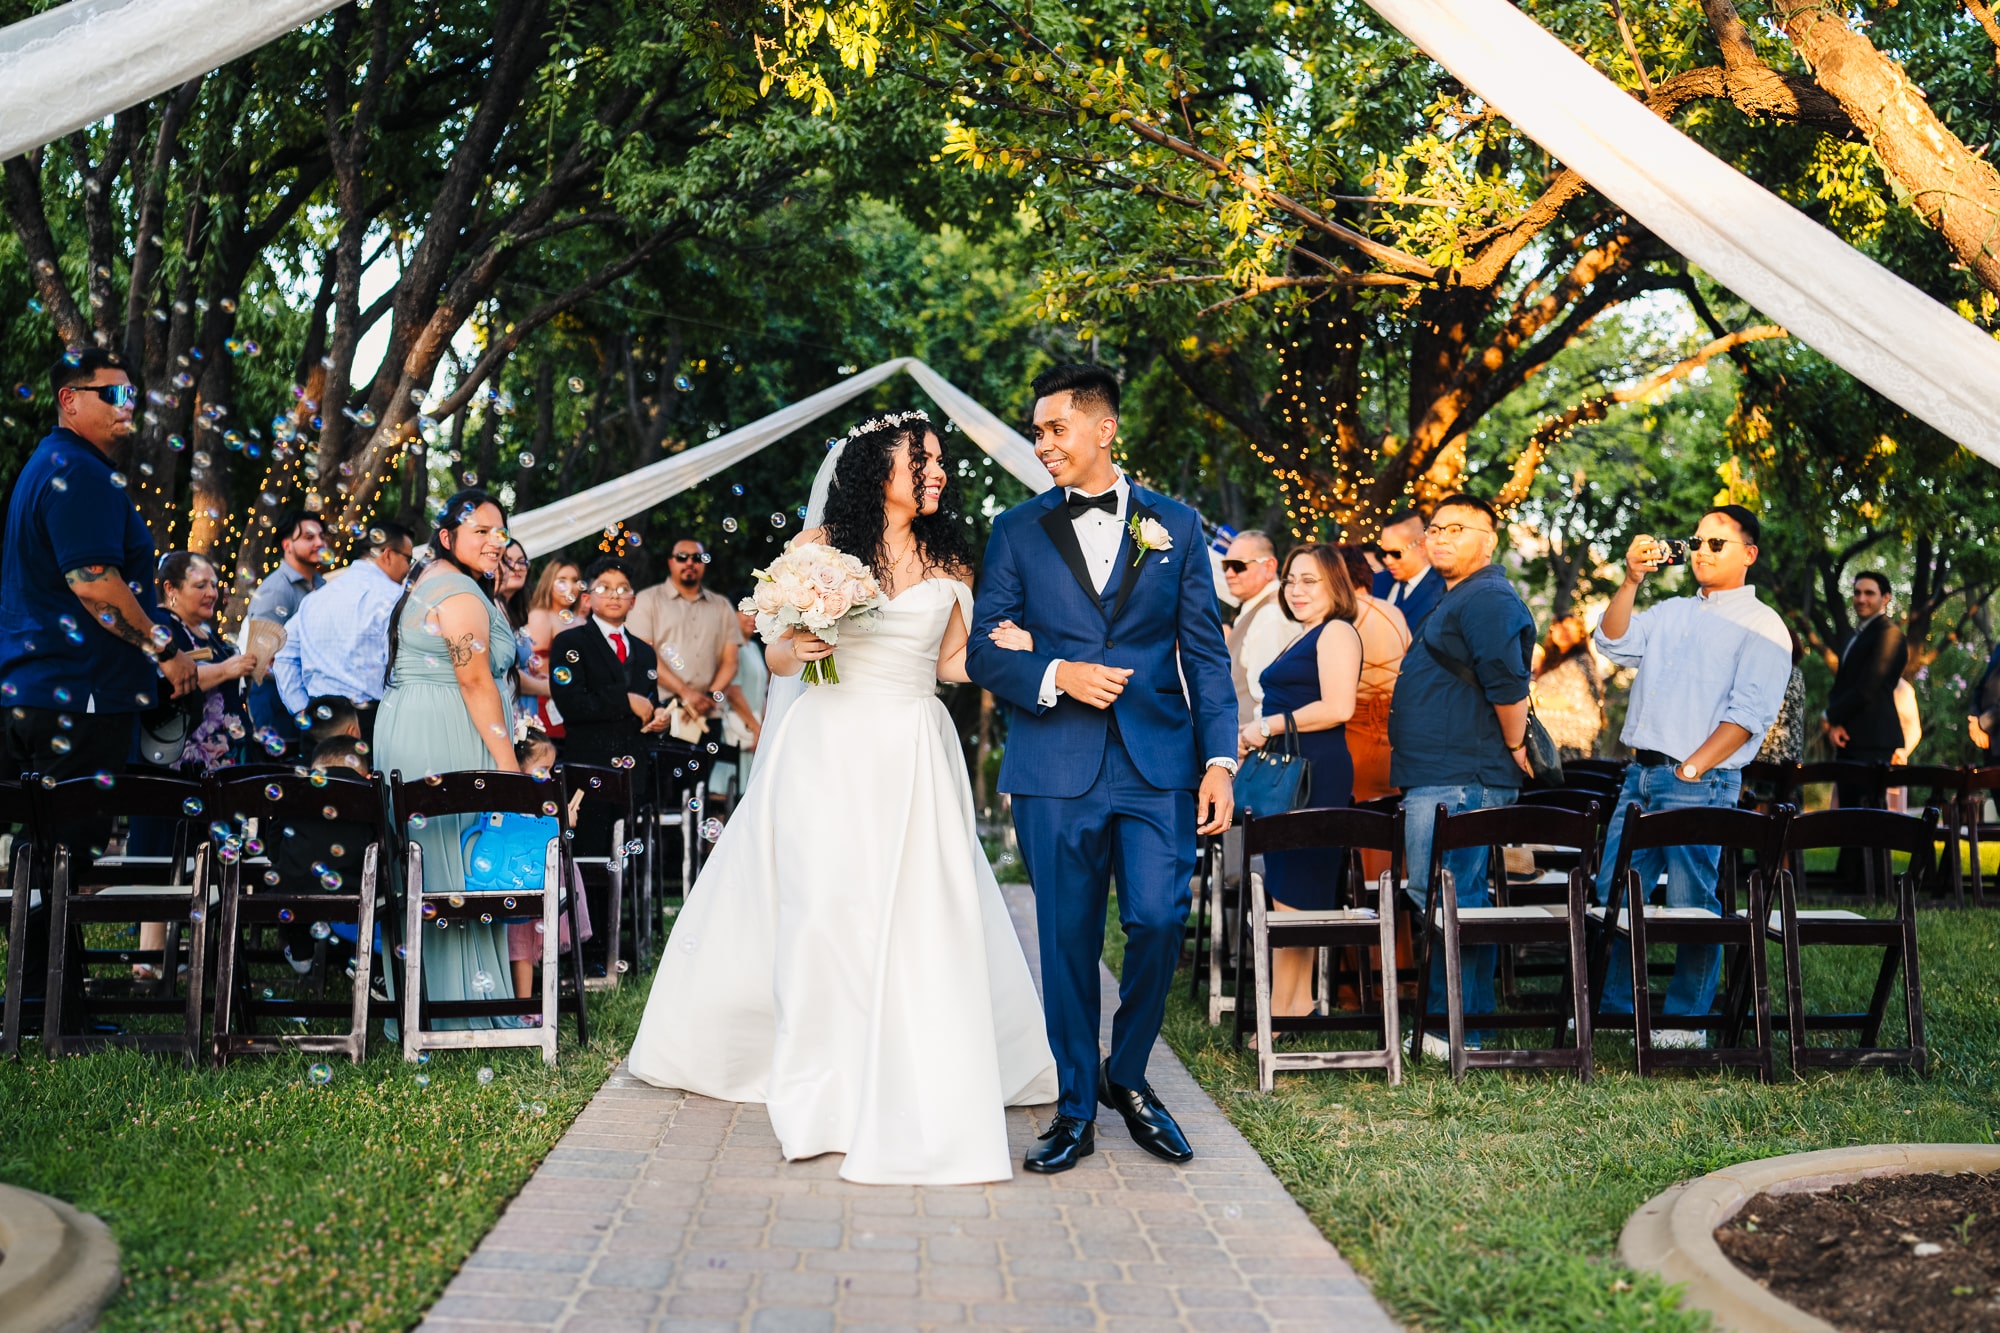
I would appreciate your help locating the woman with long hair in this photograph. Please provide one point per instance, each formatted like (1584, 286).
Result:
(556, 604)
(846, 957)
(1310, 690)
(449, 707)
(1385, 637)
(531, 683)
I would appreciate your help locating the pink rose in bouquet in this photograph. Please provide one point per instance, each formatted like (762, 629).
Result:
(819, 590)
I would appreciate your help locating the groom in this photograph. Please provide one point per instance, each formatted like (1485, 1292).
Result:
(1110, 772)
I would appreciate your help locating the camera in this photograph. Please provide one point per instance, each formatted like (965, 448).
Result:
(1673, 553)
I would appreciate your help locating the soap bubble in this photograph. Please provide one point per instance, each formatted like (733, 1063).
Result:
(483, 983)
(683, 383)
(485, 1075)
(191, 806)
(285, 915)
(418, 821)
(576, 384)
(321, 1074)
(422, 1080)
(104, 779)
(777, 520)
(711, 829)
(274, 791)
(729, 525)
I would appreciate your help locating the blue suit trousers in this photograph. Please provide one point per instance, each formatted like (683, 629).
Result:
(1073, 846)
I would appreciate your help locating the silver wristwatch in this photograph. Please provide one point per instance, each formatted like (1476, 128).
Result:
(1264, 727)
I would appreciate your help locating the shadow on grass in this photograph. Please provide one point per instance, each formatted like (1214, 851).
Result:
(257, 1198)
(1496, 1203)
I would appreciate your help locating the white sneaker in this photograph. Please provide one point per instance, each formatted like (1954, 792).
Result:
(1679, 1039)
(300, 966)
(1437, 1048)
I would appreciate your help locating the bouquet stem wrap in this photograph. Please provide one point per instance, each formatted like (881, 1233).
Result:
(816, 589)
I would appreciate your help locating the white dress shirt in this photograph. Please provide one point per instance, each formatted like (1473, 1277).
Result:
(612, 634)
(1266, 632)
(1399, 592)
(1101, 535)
(337, 641)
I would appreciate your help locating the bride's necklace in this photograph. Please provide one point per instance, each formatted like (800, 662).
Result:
(895, 560)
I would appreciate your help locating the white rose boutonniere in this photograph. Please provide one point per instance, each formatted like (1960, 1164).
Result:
(1149, 535)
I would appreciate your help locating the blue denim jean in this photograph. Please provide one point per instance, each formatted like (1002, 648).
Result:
(1690, 883)
(1467, 868)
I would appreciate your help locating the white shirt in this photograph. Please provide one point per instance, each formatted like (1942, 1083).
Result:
(612, 634)
(1264, 636)
(1101, 535)
(1399, 592)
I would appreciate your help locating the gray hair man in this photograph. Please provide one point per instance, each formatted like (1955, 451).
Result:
(1262, 630)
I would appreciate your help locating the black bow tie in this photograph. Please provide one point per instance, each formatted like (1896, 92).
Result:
(1080, 505)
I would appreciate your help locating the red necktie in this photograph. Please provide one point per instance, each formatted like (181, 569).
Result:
(618, 644)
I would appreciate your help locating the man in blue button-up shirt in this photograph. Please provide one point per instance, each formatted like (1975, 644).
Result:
(337, 641)
(1712, 674)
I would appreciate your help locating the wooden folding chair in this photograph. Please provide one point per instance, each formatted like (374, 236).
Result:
(610, 788)
(20, 891)
(1612, 769)
(1629, 914)
(1949, 792)
(478, 795)
(1550, 884)
(281, 810)
(1876, 831)
(182, 891)
(1209, 920)
(1448, 926)
(1341, 833)
(680, 802)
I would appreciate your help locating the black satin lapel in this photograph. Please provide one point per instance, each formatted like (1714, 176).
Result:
(1130, 556)
(1056, 523)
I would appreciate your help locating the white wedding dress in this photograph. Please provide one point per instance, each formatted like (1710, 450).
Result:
(845, 957)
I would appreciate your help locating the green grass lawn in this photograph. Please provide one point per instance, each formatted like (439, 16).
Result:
(256, 1198)
(1496, 1203)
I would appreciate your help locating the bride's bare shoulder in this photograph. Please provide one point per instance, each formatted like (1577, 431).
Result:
(807, 538)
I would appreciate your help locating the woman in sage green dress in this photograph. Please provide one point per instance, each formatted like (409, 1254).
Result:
(449, 707)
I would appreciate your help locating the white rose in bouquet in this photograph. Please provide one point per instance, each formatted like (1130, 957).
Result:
(818, 589)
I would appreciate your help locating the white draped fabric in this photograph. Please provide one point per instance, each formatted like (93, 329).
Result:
(1857, 314)
(83, 61)
(587, 512)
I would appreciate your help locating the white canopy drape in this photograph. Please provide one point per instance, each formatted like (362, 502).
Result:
(588, 512)
(83, 61)
(1857, 314)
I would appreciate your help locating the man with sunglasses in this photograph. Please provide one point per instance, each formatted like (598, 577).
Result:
(1406, 581)
(1712, 674)
(80, 655)
(694, 631)
(1261, 630)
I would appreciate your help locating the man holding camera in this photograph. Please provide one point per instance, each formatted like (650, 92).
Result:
(1712, 675)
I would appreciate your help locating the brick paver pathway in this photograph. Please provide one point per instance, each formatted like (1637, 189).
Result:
(664, 1211)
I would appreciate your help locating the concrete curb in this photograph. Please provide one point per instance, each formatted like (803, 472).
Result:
(58, 1267)
(1674, 1233)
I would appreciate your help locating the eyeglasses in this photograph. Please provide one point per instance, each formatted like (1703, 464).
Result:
(611, 590)
(683, 557)
(1452, 531)
(515, 564)
(114, 395)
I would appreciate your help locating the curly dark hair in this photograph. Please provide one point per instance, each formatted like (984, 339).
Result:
(855, 520)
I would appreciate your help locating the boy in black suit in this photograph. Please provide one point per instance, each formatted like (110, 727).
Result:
(602, 679)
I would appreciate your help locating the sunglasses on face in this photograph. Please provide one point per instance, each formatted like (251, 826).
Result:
(1714, 544)
(683, 557)
(1238, 566)
(113, 395)
(1391, 553)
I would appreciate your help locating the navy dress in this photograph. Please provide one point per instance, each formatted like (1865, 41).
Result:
(1308, 880)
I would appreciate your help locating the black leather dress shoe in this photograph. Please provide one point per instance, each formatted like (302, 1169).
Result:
(1152, 1128)
(1065, 1143)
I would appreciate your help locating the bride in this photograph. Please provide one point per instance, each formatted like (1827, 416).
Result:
(845, 957)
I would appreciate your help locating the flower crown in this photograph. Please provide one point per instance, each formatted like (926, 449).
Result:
(526, 725)
(889, 419)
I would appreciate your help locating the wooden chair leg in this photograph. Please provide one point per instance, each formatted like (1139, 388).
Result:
(53, 1017)
(1578, 996)
(228, 935)
(1392, 1023)
(1260, 964)
(1913, 993)
(364, 959)
(551, 934)
(1642, 987)
(1218, 945)
(17, 951)
(199, 911)
(1760, 979)
(1795, 1002)
(413, 955)
(1422, 941)
(1454, 977)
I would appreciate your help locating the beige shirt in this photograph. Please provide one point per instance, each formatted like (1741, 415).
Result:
(1261, 632)
(689, 634)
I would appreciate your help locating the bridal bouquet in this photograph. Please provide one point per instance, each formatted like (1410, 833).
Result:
(815, 588)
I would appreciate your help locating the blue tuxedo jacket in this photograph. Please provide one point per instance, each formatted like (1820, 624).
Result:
(1159, 617)
(1420, 601)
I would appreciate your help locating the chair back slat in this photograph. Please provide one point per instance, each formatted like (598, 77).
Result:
(1704, 826)
(1345, 826)
(140, 795)
(1877, 829)
(331, 796)
(475, 792)
(597, 783)
(1513, 826)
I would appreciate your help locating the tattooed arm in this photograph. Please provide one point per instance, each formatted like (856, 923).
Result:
(104, 594)
(464, 625)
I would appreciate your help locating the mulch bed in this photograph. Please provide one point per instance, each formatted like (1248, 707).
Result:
(1893, 1253)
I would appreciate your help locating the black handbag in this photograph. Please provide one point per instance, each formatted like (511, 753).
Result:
(1272, 780)
(1544, 760)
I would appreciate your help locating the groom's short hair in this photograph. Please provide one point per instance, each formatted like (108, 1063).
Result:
(1087, 386)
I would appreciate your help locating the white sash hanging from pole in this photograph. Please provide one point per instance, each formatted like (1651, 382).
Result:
(589, 512)
(1859, 315)
(75, 64)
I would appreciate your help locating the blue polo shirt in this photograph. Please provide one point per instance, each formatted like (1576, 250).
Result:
(1442, 731)
(66, 512)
